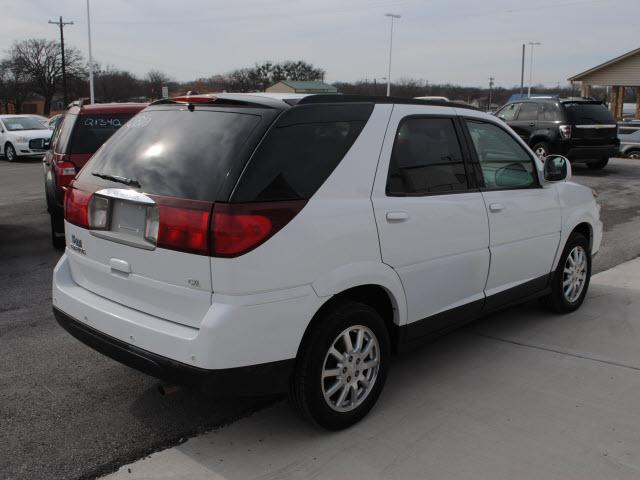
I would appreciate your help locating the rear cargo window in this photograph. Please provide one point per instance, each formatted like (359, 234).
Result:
(589, 114)
(175, 152)
(295, 159)
(92, 131)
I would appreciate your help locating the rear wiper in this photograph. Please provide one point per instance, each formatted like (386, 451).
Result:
(115, 178)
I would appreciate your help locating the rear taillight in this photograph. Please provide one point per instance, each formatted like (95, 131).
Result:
(64, 172)
(565, 131)
(179, 225)
(98, 216)
(239, 228)
(76, 207)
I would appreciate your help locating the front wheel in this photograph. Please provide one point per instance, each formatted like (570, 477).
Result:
(342, 366)
(634, 154)
(599, 165)
(570, 281)
(10, 153)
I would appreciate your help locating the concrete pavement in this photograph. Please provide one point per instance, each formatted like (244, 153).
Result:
(520, 395)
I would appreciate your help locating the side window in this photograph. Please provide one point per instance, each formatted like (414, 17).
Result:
(55, 134)
(426, 158)
(66, 127)
(549, 112)
(528, 111)
(503, 161)
(508, 112)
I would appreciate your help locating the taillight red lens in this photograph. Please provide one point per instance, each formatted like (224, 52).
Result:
(239, 228)
(65, 172)
(183, 225)
(76, 207)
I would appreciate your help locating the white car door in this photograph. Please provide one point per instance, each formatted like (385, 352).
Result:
(431, 218)
(524, 216)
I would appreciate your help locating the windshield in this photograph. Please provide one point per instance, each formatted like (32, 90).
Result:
(22, 123)
(91, 131)
(177, 153)
(589, 113)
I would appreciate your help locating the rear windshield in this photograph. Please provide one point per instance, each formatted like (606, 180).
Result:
(91, 131)
(588, 113)
(175, 152)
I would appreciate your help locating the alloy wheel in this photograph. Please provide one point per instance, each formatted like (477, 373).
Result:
(575, 274)
(350, 368)
(541, 153)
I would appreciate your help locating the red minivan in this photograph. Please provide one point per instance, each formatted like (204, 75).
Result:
(75, 139)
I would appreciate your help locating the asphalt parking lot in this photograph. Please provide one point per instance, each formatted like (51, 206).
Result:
(67, 412)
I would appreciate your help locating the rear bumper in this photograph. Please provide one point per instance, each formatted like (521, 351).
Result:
(251, 380)
(592, 153)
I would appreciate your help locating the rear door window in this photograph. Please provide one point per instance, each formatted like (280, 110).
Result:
(177, 152)
(549, 112)
(528, 112)
(93, 130)
(426, 158)
(588, 114)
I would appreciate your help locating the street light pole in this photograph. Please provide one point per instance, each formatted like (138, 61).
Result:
(91, 95)
(61, 24)
(522, 72)
(531, 67)
(392, 16)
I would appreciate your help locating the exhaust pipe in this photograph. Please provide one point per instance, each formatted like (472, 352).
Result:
(168, 389)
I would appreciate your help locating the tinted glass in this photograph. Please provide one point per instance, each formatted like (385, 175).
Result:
(93, 130)
(426, 158)
(503, 161)
(62, 142)
(175, 152)
(17, 124)
(293, 161)
(588, 113)
(528, 111)
(508, 112)
(549, 112)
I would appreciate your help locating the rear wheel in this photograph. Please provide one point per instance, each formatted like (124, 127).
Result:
(57, 230)
(571, 279)
(10, 153)
(342, 366)
(599, 165)
(541, 149)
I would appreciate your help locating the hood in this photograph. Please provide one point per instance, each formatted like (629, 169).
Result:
(31, 134)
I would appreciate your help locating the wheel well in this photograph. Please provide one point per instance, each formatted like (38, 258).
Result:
(585, 229)
(538, 139)
(375, 296)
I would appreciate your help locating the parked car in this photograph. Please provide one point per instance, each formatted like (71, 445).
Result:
(630, 144)
(16, 133)
(630, 126)
(43, 120)
(582, 130)
(261, 243)
(75, 139)
(52, 122)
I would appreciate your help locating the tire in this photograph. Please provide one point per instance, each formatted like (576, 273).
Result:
(541, 149)
(311, 393)
(57, 231)
(635, 154)
(599, 165)
(559, 300)
(10, 153)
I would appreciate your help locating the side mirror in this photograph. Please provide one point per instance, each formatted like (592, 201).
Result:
(556, 168)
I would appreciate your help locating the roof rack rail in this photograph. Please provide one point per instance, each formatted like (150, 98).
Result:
(333, 98)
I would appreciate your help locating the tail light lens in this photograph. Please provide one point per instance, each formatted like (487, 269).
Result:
(98, 213)
(76, 207)
(179, 225)
(64, 172)
(565, 131)
(239, 228)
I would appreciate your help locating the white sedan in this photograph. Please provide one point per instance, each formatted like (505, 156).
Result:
(16, 133)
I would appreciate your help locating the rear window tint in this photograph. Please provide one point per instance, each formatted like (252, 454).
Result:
(175, 152)
(528, 111)
(62, 142)
(92, 131)
(588, 113)
(295, 159)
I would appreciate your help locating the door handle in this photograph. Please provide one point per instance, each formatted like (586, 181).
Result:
(397, 216)
(496, 207)
(532, 124)
(119, 265)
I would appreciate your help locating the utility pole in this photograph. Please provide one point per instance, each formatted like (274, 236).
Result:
(392, 16)
(522, 71)
(61, 24)
(531, 67)
(91, 95)
(491, 79)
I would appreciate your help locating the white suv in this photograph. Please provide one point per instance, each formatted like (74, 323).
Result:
(267, 243)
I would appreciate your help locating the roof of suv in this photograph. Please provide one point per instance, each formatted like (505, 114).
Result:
(99, 108)
(287, 100)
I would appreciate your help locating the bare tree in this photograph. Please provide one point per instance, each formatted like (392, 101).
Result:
(156, 80)
(41, 59)
(113, 85)
(15, 85)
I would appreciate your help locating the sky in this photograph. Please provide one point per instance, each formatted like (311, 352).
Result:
(463, 42)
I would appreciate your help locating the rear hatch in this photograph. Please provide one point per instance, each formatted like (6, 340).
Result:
(592, 124)
(138, 215)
